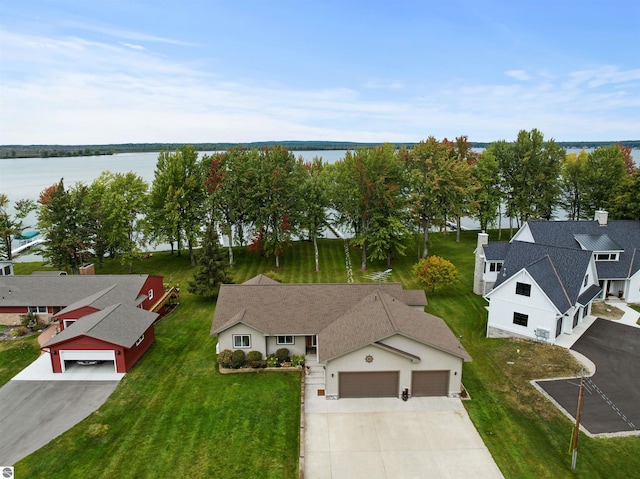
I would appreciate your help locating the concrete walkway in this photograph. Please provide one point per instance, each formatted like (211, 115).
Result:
(379, 438)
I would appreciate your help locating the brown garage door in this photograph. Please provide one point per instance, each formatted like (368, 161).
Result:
(377, 384)
(429, 383)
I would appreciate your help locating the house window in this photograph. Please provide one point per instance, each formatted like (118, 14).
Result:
(241, 341)
(523, 289)
(150, 294)
(284, 340)
(607, 257)
(586, 280)
(38, 309)
(140, 339)
(520, 319)
(495, 266)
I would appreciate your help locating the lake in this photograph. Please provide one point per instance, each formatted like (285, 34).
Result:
(26, 178)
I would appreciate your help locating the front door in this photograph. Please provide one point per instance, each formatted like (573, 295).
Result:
(312, 343)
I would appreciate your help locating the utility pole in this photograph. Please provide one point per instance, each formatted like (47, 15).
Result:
(576, 430)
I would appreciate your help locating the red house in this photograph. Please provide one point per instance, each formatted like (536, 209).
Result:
(100, 317)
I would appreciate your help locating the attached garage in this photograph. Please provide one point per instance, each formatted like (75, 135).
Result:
(429, 383)
(68, 357)
(373, 384)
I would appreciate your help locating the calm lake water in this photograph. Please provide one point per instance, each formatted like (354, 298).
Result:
(26, 178)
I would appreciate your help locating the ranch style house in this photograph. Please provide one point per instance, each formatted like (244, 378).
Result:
(374, 340)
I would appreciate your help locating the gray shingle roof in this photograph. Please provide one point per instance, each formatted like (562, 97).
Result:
(117, 324)
(591, 292)
(559, 271)
(378, 316)
(345, 316)
(67, 290)
(297, 308)
(261, 279)
(624, 233)
(496, 251)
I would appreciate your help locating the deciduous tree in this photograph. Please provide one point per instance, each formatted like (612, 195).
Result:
(605, 173)
(12, 225)
(434, 270)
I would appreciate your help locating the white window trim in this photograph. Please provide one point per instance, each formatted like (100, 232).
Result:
(150, 294)
(139, 340)
(285, 342)
(235, 346)
(38, 309)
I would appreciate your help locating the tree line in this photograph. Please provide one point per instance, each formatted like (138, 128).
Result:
(264, 198)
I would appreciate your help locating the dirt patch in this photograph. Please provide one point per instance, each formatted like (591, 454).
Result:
(606, 310)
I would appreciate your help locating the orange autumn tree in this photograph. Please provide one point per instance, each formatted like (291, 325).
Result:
(434, 270)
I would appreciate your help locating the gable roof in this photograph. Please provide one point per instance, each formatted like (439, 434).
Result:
(597, 242)
(378, 316)
(117, 324)
(297, 308)
(625, 234)
(558, 271)
(261, 279)
(71, 289)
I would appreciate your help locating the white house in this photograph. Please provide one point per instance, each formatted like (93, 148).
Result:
(542, 282)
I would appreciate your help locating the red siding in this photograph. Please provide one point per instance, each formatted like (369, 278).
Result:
(76, 314)
(14, 310)
(125, 358)
(132, 355)
(152, 283)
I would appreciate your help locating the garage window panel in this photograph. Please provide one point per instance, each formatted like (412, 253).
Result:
(241, 341)
(284, 340)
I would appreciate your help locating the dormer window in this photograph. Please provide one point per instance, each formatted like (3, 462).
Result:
(606, 256)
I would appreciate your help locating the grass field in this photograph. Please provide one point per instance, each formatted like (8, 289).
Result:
(174, 412)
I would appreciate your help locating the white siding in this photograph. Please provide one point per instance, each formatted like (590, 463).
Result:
(523, 234)
(258, 343)
(633, 295)
(504, 302)
(298, 347)
(383, 360)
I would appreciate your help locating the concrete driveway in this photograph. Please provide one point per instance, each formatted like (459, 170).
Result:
(34, 412)
(615, 409)
(380, 438)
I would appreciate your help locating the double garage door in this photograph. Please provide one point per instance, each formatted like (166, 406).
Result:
(386, 384)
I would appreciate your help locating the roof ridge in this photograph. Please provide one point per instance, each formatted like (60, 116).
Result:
(633, 257)
(106, 312)
(390, 317)
(564, 290)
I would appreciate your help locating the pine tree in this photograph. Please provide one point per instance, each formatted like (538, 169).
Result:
(211, 272)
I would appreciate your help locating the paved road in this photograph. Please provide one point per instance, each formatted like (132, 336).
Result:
(32, 413)
(615, 350)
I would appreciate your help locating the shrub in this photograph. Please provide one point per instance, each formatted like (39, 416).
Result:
(282, 354)
(19, 331)
(272, 361)
(237, 358)
(257, 364)
(254, 356)
(29, 320)
(297, 360)
(224, 358)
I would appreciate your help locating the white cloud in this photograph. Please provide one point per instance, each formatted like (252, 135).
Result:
(518, 75)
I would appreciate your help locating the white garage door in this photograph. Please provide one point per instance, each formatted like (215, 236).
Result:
(91, 355)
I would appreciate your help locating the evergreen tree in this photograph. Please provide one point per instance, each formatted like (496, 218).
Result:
(211, 271)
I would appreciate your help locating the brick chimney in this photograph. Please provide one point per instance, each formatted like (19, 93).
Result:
(87, 269)
(602, 217)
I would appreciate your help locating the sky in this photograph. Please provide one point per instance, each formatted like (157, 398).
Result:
(130, 71)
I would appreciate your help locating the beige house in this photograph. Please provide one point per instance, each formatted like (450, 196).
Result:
(374, 340)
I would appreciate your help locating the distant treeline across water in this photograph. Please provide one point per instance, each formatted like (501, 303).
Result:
(56, 151)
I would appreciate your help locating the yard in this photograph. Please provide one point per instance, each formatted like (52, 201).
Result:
(175, 413)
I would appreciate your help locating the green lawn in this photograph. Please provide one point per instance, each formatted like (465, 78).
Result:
(15, 355)
(174, 412)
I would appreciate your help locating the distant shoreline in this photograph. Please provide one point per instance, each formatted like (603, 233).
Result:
(66, 151)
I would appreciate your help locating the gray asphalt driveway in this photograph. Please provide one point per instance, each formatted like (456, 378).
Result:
(615, 350)
(32, 413)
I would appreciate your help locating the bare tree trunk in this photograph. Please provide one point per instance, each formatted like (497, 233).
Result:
(458, 229)
(277, 261)
(425, 232)
(500, 221)
(192, 257)
(363, 265)
(315, 251)
(231, 246)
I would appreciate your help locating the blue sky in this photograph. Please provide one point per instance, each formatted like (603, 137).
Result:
(79, 72)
